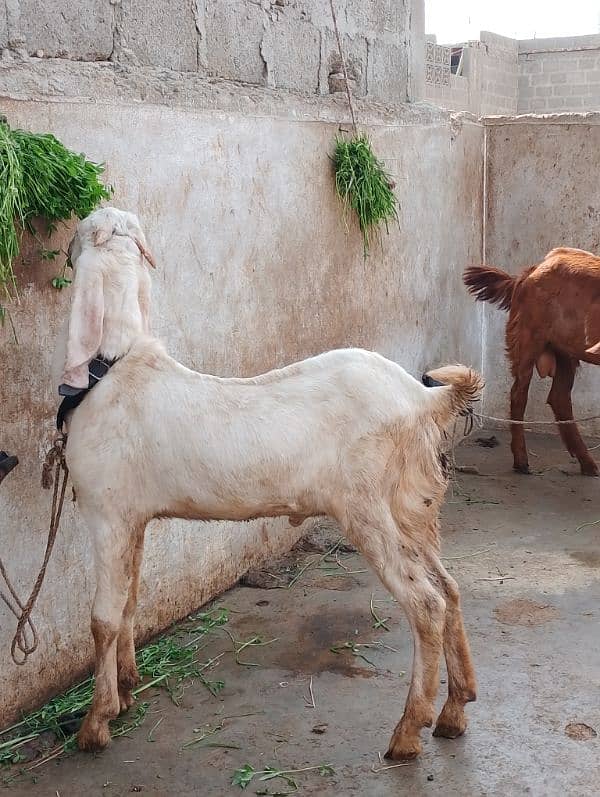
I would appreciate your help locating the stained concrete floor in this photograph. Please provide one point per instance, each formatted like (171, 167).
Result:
(531, 594)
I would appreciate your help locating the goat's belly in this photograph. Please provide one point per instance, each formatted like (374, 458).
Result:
(189, 509)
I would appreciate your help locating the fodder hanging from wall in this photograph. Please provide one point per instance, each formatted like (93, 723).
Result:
(40, 178)
(364, 186)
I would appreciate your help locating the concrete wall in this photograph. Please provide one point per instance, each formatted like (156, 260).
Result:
(559, 74)
(256, 269)
(487, 83)
(542, 191)
(505, 76)
(276, 43)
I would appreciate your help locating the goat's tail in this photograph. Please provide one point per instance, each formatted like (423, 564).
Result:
(460, 386)
(489, 284)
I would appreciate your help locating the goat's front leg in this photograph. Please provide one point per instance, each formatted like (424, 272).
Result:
(462, 685)
(127, 672)
(113, 569)
(404, 575)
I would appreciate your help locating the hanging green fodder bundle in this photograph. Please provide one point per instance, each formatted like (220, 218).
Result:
(40, 178)
(363, 185)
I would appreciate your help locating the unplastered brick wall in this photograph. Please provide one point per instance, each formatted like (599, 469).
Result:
(559, 74)
(499, 74)
(288, 44)
(488, 79)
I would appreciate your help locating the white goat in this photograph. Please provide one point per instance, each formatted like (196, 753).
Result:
(347, 434)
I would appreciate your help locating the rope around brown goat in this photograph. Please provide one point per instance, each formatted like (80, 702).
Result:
(25, 627)
(534, 423)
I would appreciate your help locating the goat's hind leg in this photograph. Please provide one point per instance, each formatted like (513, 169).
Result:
(522, 373)
(113, 558)
(462, 685)
(127, 673)
(559, 399)
(398, 564)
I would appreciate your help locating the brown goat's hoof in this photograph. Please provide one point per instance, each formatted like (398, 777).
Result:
(403, 749)
(590, 469)
(94, 735)
(522, 469)
(126, 700)
(447, 731)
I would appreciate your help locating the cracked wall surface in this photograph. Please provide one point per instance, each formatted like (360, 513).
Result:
(287, 44)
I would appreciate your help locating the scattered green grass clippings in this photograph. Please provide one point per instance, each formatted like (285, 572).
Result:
(253, 641)
(363, 184)
(40, 178)
(243, 776)
(378, 622)
(167, 662)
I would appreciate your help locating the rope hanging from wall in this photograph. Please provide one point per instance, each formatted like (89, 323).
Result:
(360, 178)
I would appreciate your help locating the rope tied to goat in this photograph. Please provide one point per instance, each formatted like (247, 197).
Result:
(535, 423)
(25, 640)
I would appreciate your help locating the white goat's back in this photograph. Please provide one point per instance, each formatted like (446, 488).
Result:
(234, 448)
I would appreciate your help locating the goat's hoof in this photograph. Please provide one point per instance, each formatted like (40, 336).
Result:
(126, 699)
(93, 735)
(450, 730)
(522, 469)
(589, 469)
(403, 749)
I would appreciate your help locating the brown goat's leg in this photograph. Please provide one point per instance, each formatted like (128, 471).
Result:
(518, 403)
(402, 573)
(127, 673)
(113, 569)
(462, 685)
(559, 399)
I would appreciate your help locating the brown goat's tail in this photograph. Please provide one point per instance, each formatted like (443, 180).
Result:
(460, 386)
(489, 284)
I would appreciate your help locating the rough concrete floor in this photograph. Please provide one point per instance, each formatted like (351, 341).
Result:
(531, 596)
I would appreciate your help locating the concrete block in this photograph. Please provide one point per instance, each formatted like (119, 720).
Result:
(3, 26)
(530, 67)
(155, 33)
(524, 81)
(588, 60)
(543, 91)
(77, 29)
(558, 77)
(387, 72)
(538, 104)
(234, 33)
(356, 55)
(375, 16)
(291, 50)
(592, 76)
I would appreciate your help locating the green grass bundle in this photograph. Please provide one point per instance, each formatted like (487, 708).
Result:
(40, 177)
(363, 184)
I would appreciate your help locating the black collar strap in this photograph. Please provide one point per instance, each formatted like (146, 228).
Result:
(73, 396)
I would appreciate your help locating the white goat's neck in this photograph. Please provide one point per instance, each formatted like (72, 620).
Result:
(125, 311)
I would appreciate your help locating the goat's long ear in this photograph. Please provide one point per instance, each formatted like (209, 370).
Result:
(85, 323)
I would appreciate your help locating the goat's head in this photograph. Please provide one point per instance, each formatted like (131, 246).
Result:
(110, 276)
(102, 225)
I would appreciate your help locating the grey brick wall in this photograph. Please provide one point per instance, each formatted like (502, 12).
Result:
(559, 75)
(288, 44)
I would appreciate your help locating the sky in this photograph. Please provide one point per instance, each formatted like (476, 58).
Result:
(461, 20)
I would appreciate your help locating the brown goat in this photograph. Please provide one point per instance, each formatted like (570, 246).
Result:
(553, 324)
